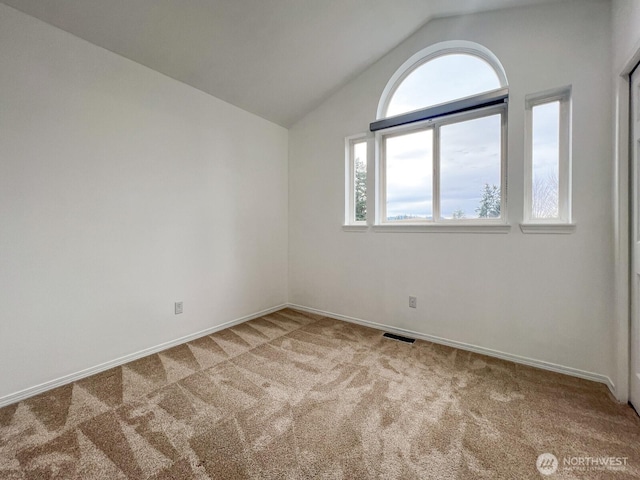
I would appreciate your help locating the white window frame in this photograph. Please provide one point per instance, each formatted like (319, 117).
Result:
(438, 224)
(562, 223)
(350, 222)
(474, 224)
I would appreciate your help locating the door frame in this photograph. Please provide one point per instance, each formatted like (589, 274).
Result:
(634, 210)
(622, 229)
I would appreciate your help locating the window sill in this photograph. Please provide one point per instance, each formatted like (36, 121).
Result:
(548, 228)
(355, 228)
(443, 228)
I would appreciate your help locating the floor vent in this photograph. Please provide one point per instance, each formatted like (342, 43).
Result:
(399, 338)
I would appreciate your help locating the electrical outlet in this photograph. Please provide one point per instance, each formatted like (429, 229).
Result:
(178, 308)
(413, 302)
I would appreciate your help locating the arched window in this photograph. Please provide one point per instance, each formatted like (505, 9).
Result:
(447, 77)
(440, 138)
(441, 73)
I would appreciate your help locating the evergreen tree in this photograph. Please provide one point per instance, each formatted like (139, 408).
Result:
(489, 206)
(361, 190)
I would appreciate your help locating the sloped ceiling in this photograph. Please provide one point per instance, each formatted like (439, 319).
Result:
(275, 58)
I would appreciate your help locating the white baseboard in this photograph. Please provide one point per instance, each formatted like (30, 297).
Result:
(58, 382)
(43, 387)
(574, 372)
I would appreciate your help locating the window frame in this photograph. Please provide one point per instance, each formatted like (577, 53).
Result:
(350, 222)
(562, 223)
(435, 124)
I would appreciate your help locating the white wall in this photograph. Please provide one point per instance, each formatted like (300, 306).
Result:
(626, 53)
(122, 191)
(544, 297)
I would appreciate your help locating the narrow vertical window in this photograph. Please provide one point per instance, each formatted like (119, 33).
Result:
(356, 173)
(545, 160)
(548, 169)
(360, 181)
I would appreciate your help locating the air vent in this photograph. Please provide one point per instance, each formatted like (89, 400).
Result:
(400, 338)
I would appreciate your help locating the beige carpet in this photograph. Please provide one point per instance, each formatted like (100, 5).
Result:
(293, 395)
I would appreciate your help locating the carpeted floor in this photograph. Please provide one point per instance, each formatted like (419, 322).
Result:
(292, 395)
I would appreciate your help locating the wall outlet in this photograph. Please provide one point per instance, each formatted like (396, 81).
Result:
(413, 302)
(178, 308)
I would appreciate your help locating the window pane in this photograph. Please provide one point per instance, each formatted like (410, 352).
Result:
(409, 176)
(546, 160)
(443, 79)
(470, 153)
(360, 181)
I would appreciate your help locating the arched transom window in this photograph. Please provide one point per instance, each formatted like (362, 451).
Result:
(447, 77)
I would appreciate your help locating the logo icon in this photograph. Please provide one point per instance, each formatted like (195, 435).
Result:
(547, 463)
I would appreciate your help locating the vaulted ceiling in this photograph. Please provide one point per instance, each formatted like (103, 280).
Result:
(275, 58)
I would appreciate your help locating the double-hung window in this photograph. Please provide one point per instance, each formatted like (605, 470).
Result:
(441, 139)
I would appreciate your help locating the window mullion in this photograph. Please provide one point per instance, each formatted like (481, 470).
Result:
(435, 149)
(371, 176)
(528, 167)
(383, 179)
(504, 194)
(564, 169)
